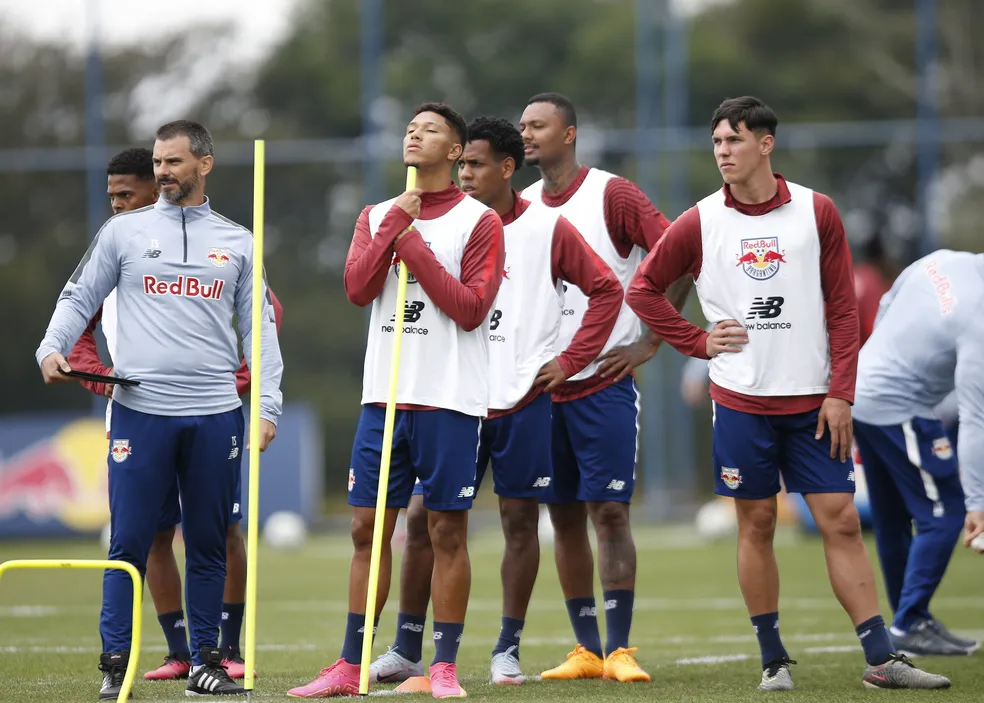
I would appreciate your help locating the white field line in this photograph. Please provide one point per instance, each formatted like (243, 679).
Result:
(495, 605)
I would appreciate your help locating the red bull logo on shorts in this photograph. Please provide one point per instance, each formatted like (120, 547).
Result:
(760, 258)
(731, 477)
(188, 287)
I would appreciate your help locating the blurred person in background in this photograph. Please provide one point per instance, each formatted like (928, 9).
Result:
(925, 349)
(596, 412)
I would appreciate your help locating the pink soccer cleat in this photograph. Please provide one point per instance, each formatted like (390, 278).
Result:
(444, 681)
(234, 664)
(172, 669)
(339, 679)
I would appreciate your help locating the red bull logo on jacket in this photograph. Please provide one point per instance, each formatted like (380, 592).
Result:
(218, 257)
(188, 287)
(760, 258)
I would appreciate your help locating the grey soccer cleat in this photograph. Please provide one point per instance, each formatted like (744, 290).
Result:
(899, 672)
(923, 640)
(393, 667)
(505, 668)
(777, 676)
(969, 646)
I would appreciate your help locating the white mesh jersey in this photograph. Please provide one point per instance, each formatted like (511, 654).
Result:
(441, 365)
(764, 271)
(526, 318)
(586, 211)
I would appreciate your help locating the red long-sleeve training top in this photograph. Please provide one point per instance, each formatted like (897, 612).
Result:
(632, 220)
(466, 301)
(680, 252)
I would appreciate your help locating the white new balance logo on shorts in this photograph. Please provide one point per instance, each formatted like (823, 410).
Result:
(467, 492)
(542, 482)
(616, 485)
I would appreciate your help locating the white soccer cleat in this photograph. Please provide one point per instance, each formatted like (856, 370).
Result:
(392, 667)
(505, 669)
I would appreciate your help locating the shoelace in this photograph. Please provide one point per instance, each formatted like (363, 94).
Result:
(577, 650)
(444, 675)
(773, 668)
(901, 659)
(626, 653)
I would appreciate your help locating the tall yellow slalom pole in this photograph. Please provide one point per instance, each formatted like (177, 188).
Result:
(256, 339)
(384, 468)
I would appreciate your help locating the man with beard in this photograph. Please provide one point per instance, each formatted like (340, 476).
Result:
(182, 272)
(131, 185)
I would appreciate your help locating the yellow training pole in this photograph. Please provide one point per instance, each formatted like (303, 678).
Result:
(256, 339)
(384, 467)
(131, 666)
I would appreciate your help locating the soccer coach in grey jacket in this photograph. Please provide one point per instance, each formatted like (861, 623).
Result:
(181, 271)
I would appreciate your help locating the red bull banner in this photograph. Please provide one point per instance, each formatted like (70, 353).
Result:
(54, 472)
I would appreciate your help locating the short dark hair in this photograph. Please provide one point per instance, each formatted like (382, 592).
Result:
(501, 135)
(454, 118)
(756, 115)
(561, 102)
(198, 136)
(137, 162)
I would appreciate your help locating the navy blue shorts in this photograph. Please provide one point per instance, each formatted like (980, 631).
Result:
(517, 446)
(595, 446)
(918, 459)
(175, 451)
(171, 514)
(438, 447)
(750, 452)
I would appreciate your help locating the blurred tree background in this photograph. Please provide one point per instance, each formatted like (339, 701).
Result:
(814, 61)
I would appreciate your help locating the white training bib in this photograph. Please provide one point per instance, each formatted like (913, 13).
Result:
(441, 365)
(586, 211)
(525, 319)
(764, 271)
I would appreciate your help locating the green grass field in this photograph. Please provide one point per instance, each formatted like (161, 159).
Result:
(690, 625)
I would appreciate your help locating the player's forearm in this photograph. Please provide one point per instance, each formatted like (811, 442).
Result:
(65, 327)
(271, 373)
(596, 327)
(971, 456)
(844, 334)
(369, 257)
(468, 301)
(659, 315)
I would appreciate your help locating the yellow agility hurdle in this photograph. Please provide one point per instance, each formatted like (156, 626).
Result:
(131, 667)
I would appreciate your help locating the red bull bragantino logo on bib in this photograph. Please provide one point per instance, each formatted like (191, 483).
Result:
(188, 287)
(760, 258)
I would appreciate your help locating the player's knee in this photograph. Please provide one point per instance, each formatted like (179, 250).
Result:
(448, 530)
(840, 521)
(163, 544)
(610, 517)
(362, 525)
(520, 520)
(568, 517)
(235, 545)
(417, 523)
(757, 519)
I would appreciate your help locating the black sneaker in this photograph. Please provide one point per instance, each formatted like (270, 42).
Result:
(113, 666)
(211, 678)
